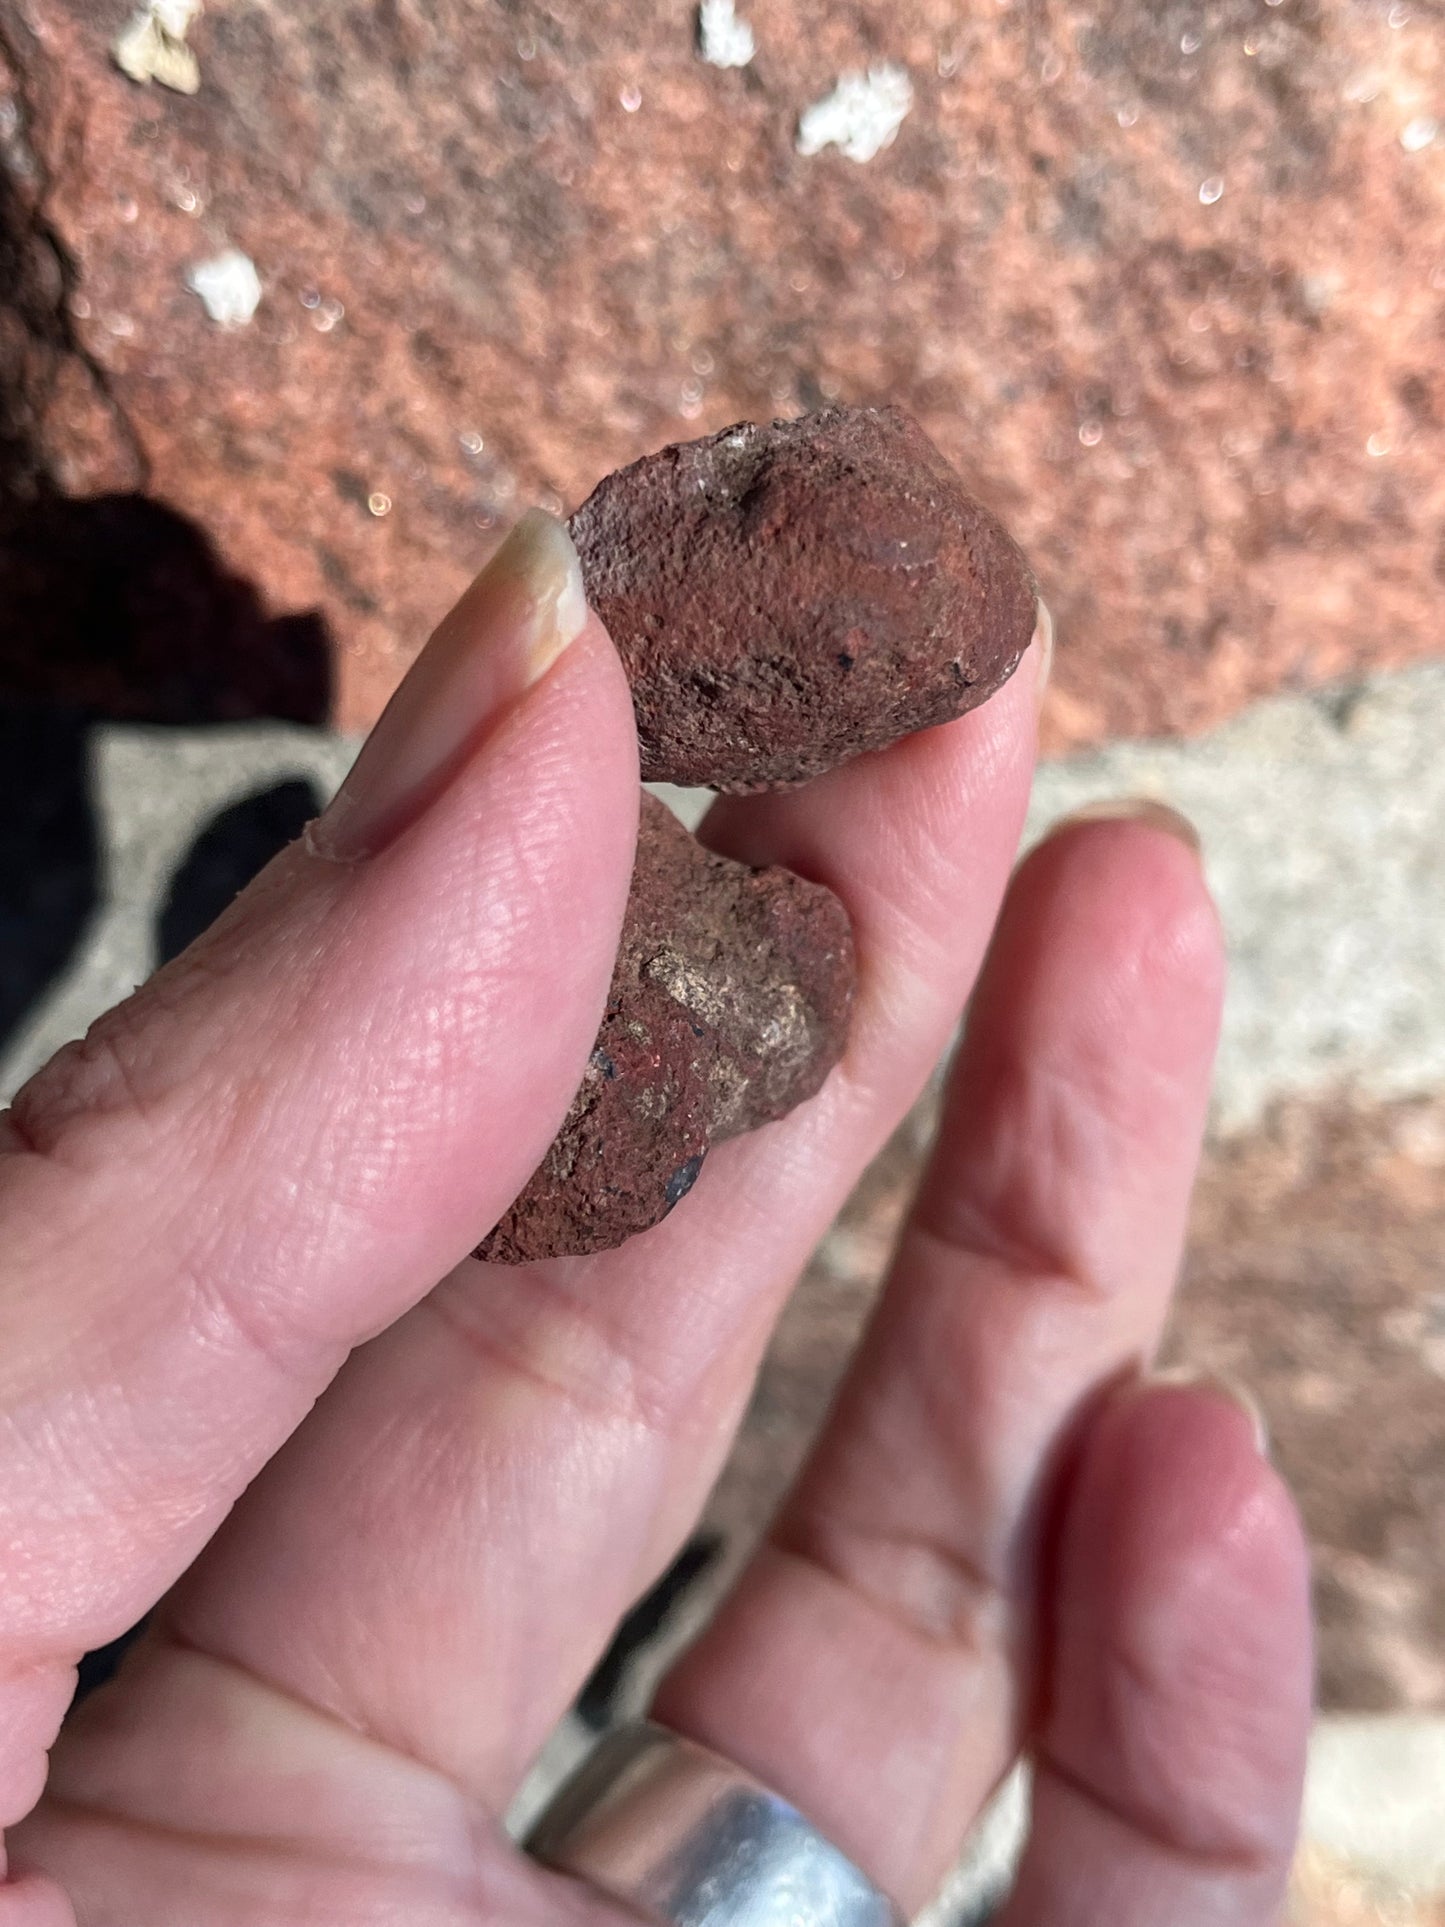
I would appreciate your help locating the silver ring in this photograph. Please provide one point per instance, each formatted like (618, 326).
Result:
(688, 1839)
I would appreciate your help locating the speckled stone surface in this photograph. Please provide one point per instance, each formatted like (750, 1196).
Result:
(1164, 281)
(787, 595)
(728, 1006)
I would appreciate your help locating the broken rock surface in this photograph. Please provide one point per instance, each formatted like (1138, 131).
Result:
(729, 1006)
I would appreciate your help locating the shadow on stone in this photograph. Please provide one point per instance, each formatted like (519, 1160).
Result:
(49, 862)
(232, 848)
(118, 609)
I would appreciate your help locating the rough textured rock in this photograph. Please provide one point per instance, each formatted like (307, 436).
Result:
(785, 597)
(505, 249)
(729, 1006)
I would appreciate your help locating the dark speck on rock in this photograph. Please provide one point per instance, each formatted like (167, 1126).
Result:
(682, 1181)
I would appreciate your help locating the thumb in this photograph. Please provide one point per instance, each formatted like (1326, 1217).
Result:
(290, 1134)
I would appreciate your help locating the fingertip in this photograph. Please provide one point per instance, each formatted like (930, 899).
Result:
(1181, 1457)
(1141, 859)
(1183, 1667)
(1124, 894)
(1146, 810)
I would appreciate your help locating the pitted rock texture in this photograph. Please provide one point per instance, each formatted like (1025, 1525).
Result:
(728, 1006)
(1163, 281)
(785, 597)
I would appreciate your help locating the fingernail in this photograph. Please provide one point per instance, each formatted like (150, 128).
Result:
(1044, 636)
(522, 611)
(1136, 809)
(1219, 1385)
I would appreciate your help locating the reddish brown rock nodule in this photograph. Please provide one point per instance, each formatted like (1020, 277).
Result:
(729, 1005)
(785, 597)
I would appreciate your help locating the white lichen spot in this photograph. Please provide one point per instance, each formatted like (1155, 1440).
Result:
(1211, 190)
(1320, 292)
(861, 116)
(229, 287)
(722, 39)
(1416, 135)
(152, 45)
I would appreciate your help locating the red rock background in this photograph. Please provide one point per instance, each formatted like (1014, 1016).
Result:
(505, 248)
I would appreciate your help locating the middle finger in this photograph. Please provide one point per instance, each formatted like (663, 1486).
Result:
(874, 1662)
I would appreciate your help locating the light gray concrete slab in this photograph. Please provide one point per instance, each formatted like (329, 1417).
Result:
(152, 791)
(1324, 830)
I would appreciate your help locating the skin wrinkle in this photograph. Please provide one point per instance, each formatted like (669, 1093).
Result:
(952, 1607)
(623, 1374)
(975, 1234)
(474, 1825)
(1147, 1671)
(1073, 1121)
(1251, 1861)
(286, 1882)
(610, 1395)
(87, 1083)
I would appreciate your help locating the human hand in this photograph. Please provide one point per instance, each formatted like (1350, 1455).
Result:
(391, 1523)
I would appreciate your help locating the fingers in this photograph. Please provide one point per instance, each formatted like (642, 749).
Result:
(283, 1140)
(1170, 1753)
(488, 1487)
(875, 1663)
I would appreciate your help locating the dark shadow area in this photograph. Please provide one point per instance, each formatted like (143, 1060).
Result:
(48, 856)
(118, 610)
(597, 1703)
(233, 847)
(120, 607)
(97, 1667)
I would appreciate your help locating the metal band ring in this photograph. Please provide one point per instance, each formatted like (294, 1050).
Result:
(689, 1840)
